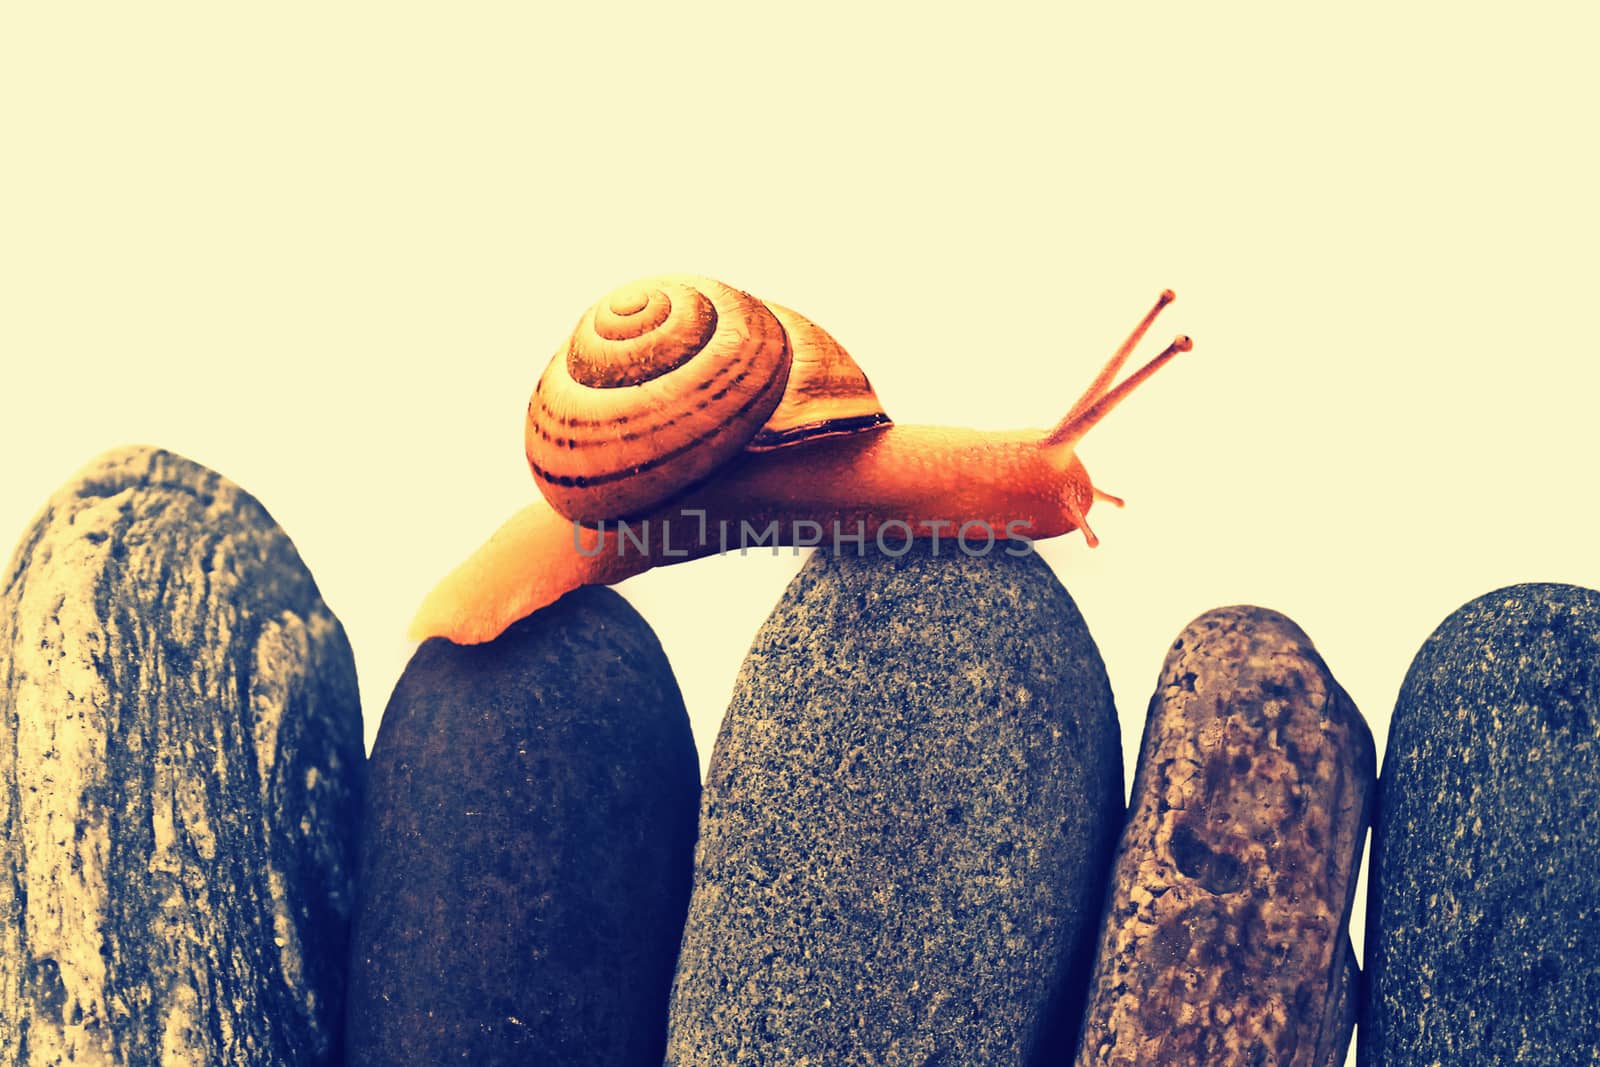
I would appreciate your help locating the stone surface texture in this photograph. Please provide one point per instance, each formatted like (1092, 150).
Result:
(1483, 912)
(180, 772)
(527, 849)
(1346, 1012)
(1225, 935)
(906, 823)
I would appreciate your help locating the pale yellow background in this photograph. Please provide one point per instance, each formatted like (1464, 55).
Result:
(326, 249)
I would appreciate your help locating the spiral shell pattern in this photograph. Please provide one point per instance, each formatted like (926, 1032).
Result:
(662, 382)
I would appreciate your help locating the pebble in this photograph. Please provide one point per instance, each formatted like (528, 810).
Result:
(527, 846)
(1483, 912)
(906, 825)
(1225, 937)
(181, 768)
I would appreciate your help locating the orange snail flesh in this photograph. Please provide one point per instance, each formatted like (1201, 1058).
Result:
(669, 378)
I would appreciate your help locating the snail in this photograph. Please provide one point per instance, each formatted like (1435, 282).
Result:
(685, 418)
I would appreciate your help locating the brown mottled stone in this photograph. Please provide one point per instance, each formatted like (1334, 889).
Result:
(180, 781)
(1225, 933)
(1346, 1010)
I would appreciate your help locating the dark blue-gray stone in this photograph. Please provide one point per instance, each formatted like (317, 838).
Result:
(1483, 919)
(527, 846)
(906, 825)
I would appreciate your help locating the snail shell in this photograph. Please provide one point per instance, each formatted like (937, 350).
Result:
(669, 378)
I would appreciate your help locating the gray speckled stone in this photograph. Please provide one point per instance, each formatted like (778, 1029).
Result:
(180, 777)
(1225, 935)
(906, 824)
(1483, 917)
(527, 848)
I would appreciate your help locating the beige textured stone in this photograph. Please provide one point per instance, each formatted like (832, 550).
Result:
(180, 767)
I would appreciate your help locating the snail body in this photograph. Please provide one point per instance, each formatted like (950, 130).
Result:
(645, 459)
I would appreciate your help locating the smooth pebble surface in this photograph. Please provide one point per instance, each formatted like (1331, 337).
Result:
(180, 776)
(1225, 938)
(527, 847)
(1483, 915)
(906, 824)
